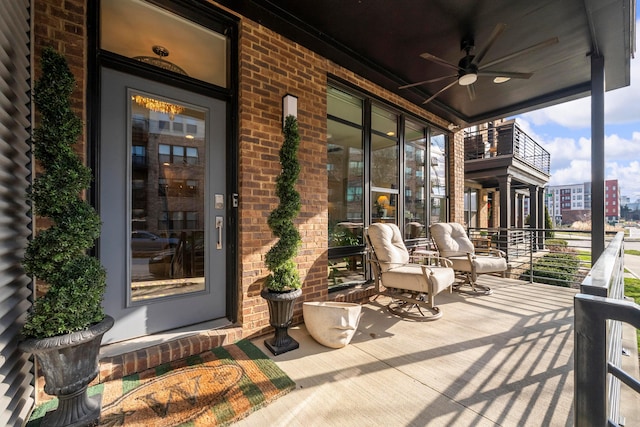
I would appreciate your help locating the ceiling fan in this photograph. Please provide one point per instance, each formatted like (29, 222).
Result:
(469, 68)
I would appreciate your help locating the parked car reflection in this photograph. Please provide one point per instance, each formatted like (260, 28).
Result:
(145, 243)
(185, 260)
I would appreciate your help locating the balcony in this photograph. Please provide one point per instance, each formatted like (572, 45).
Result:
(505, 150)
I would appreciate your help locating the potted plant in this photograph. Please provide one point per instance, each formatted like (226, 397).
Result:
(65, 326)
(282, 285)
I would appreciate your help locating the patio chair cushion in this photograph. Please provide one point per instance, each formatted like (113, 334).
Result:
(451, 239)
(481, 263)
(410, 277)
(390, 248)
(489, 264)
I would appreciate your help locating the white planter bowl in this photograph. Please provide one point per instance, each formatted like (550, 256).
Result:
(332, 324)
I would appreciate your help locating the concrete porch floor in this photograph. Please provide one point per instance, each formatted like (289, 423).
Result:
(504, 359)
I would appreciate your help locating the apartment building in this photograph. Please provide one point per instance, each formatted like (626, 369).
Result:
(572, 202)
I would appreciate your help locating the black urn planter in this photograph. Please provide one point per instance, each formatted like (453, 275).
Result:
(69, 363)
(280, 315)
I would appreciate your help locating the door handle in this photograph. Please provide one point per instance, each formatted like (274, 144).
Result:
(219, 225)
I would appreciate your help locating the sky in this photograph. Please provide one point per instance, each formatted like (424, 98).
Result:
(564, 130)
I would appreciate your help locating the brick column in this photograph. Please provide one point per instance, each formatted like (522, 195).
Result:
(455, 154)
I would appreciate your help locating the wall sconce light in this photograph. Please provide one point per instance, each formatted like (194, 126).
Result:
(453, 126)
(289, 107)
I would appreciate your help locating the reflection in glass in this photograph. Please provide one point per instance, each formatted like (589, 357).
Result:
(167, 198)
(437, 174)
(345, 171)
(471, 207)
(415, 152)
(384, 166)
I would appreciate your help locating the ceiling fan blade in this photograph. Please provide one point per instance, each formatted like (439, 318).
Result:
(471, 91)
(548, 42)
(437, 60)
(427, 81)
(497, 32)
(440, 91)
(510, 74)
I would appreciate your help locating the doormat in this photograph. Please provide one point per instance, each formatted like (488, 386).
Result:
(214, 388)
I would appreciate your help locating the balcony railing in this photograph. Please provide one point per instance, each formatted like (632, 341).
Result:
(507, 140)
(556, 257)
(600, 309)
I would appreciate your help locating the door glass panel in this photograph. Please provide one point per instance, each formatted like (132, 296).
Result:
(167, 256)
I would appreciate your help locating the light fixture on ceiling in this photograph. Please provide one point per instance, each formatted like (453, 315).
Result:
(501, 79)
(159, 61)
(467, 79)
(158, 106)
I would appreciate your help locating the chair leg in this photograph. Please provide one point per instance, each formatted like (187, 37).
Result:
(410, 305)
(470, 278)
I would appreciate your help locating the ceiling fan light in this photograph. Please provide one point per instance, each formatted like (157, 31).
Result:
(501, 79)
(467, 79)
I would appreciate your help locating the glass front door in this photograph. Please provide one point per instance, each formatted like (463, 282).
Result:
(162, 205)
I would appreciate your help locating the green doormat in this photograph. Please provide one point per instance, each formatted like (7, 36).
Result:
(214, 388)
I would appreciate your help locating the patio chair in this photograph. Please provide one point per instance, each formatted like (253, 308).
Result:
(411, 286)
(453, 244)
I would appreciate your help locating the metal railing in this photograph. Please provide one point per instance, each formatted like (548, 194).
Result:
(506, 140)
(559, 257)
(599, 310)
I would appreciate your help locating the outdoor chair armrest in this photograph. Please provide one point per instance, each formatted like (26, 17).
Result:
(442, 261)
(497, 252)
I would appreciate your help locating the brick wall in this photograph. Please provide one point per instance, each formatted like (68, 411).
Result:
(61, 24)
(456, 177)
(270, 67)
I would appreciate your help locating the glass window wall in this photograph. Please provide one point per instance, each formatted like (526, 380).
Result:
(382, 166)
(345, 171)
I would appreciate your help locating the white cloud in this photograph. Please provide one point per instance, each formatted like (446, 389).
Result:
(621, 105)
(571, 156)
(571, 159)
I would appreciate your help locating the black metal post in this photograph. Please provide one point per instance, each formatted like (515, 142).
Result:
(597, 157)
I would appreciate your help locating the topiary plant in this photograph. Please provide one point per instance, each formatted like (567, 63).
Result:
(279, 259)
(57, 255)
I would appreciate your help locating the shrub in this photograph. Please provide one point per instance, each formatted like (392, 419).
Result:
(559, 269)
(279, 260)
(557, 245)
(57, 255)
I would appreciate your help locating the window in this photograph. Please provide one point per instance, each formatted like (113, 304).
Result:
(192, 156)
(177, 155)
(403, 160)
(384, 165)
(471, 207)
(345, 172)
(415, 193)
(138, 155)
(437, 173)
